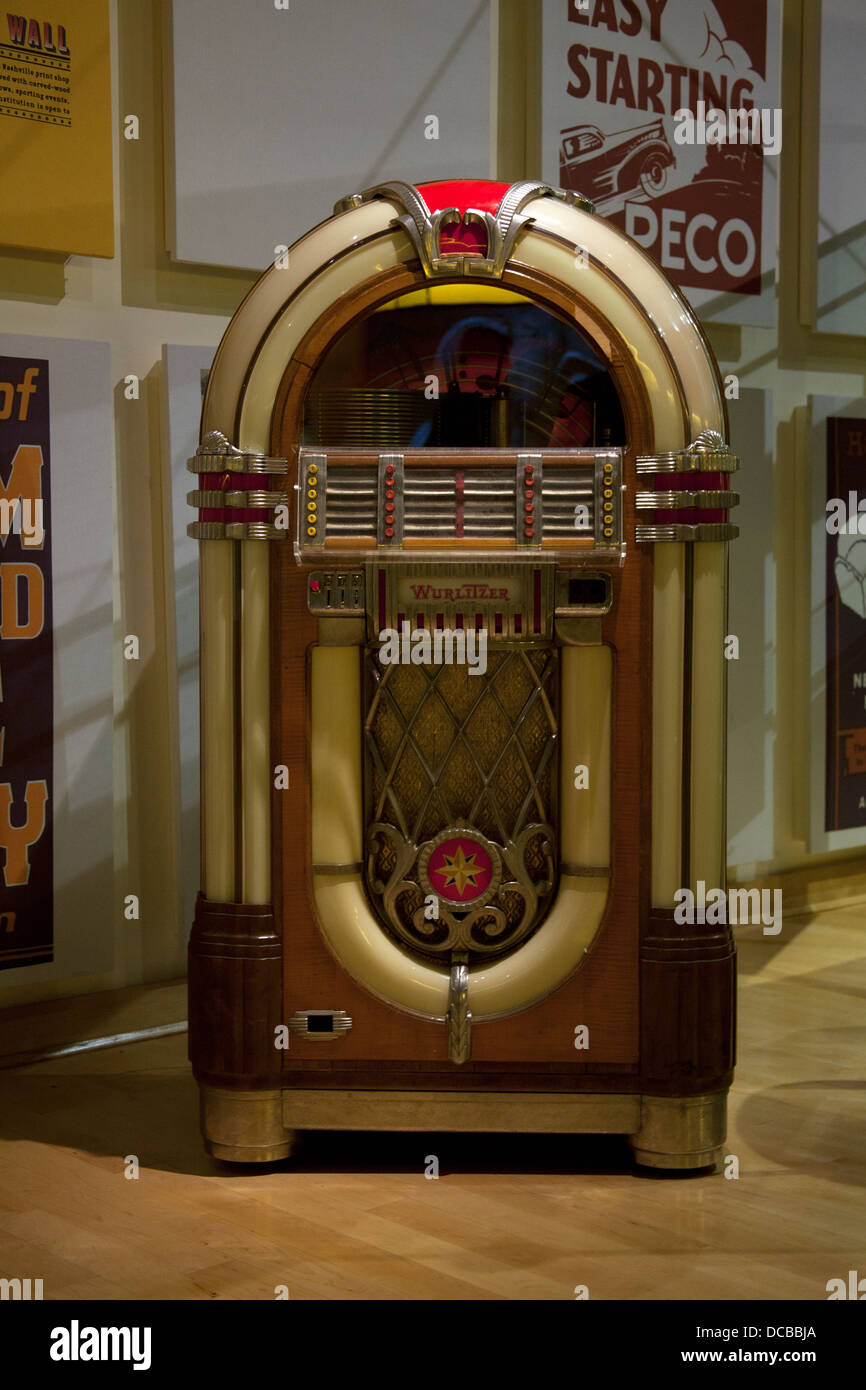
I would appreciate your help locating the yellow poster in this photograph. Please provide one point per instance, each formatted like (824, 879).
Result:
(55, 128)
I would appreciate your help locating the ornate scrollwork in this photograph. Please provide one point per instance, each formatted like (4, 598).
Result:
(493, 921)
(424, 227)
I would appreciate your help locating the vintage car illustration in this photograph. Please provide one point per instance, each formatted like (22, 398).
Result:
(609, 166)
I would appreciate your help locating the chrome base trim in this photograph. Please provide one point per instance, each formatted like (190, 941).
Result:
(514, 1112)
(244, 1126)
(234, 1153)
(677, 1133)
(681, 1131)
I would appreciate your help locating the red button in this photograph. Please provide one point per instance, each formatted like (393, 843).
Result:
(528, 470)
(529, 493)
(528, 507)
(528, 531)
(314, 585)
(389, 531)
(389, 492)
(389, 470)
(389, 506)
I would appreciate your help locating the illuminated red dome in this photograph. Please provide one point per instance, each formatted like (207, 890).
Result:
(483, 194)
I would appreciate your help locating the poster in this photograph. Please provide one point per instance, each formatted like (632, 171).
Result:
(26, 665)
(845, 799)
(74, 750)
(55, 128)
(665, 113)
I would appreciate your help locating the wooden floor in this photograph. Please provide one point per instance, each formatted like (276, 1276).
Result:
(508, 1218)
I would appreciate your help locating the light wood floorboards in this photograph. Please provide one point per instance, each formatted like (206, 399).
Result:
(522, 1217)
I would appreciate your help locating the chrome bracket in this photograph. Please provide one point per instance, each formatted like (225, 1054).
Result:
(458, 1019)
(215, 454)
(707, 454)
(424, 227)
(676, 501)
(706, 531)
(211, 497)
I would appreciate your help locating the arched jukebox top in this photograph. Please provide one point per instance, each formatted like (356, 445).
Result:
(462, 409)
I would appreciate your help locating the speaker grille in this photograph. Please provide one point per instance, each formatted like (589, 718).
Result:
(446, 750)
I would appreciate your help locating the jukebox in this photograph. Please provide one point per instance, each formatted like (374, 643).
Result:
(463, 518)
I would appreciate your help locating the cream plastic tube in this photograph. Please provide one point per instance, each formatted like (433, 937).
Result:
(218, 716)
(585, 741)
(257, 773)
(667, 730)
(708, 716)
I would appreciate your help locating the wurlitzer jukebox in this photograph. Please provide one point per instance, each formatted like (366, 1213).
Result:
(463, 512)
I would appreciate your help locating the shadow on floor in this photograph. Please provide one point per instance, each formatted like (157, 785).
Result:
(153, 1114)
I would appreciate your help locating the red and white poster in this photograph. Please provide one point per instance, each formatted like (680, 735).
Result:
(666, 114)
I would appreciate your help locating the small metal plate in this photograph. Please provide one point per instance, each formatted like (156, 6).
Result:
(320, 1025)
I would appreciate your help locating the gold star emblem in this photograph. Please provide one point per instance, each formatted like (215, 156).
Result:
(459, 871)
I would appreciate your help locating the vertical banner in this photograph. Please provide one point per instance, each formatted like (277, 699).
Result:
(845, 805)
(26, 666)
(665, 113)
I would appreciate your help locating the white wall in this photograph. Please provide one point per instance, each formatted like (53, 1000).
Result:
(141, 301)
